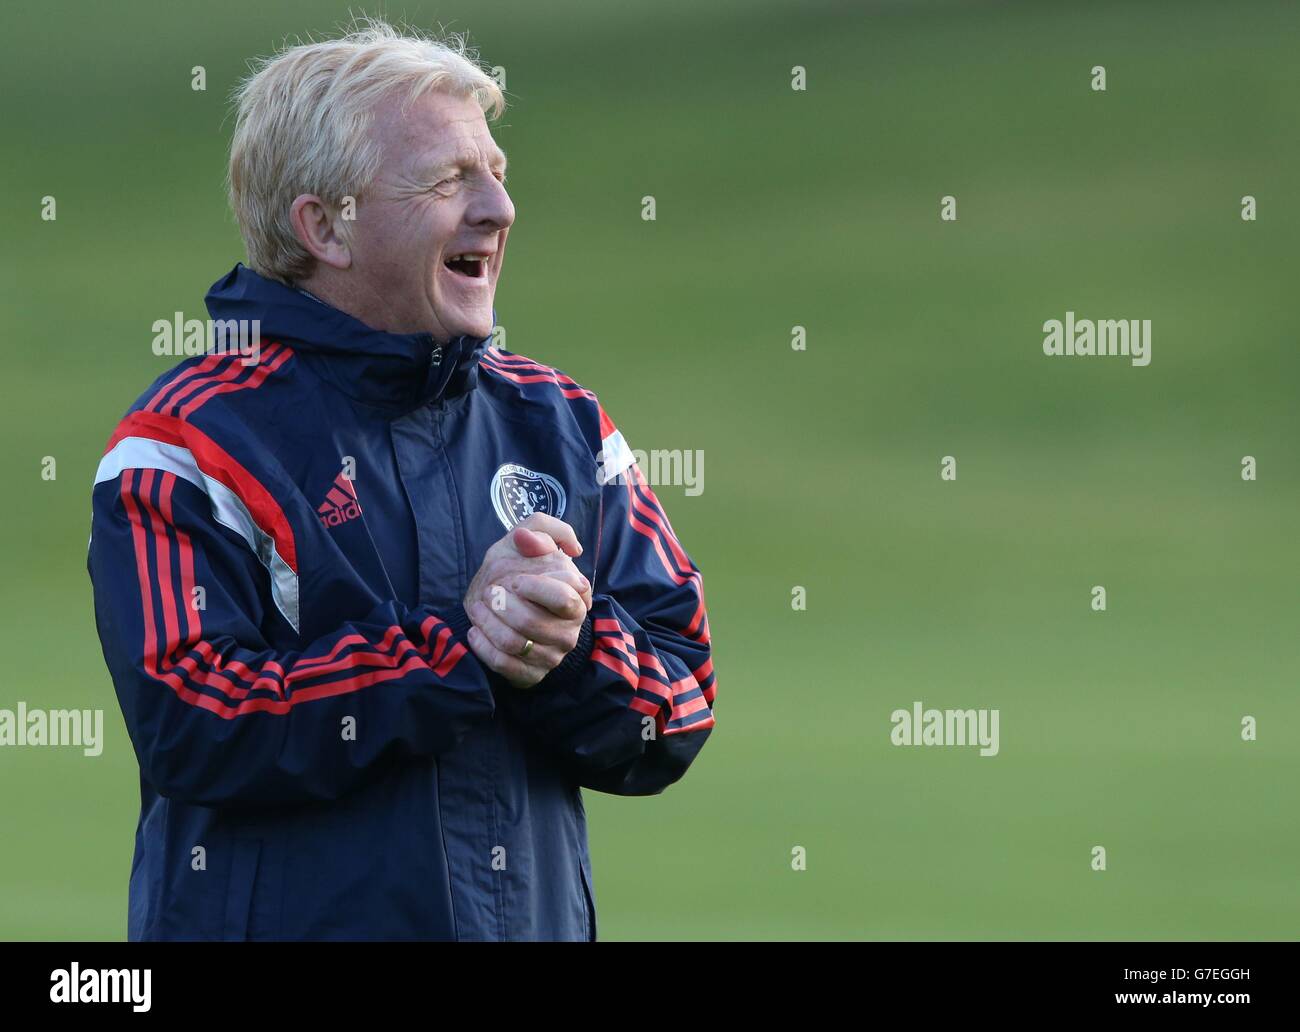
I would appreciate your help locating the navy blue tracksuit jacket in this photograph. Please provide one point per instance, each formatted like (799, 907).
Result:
(279, 551)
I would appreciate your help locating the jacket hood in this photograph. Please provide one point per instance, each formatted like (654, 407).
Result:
(394, 372)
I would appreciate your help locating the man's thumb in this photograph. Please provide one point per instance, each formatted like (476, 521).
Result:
(532, 544)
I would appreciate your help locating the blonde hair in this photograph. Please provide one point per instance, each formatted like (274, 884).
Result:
(302, 121)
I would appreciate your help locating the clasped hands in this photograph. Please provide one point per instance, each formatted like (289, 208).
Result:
(528, 601)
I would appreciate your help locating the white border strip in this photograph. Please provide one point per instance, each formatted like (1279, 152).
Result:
(228, 508)
(615, 457)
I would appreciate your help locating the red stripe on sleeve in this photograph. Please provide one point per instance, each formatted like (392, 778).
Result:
(214, 461)
(277, 357)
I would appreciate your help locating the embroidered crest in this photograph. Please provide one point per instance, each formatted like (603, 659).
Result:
(518, 492)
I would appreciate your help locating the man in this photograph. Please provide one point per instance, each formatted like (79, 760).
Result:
(378, 605)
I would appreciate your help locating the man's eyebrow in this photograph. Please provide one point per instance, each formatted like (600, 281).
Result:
(465, 159)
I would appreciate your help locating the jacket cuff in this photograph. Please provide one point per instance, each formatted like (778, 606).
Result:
(572, 665)
(458, 620)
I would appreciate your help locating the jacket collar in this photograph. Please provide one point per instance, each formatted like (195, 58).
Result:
(393, 372)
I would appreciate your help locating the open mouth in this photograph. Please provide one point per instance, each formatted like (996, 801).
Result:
(471, 266)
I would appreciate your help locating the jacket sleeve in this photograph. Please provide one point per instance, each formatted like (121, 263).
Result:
(630, 708)
(217, 716)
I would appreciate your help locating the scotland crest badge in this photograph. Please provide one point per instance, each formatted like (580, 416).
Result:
(518, 492)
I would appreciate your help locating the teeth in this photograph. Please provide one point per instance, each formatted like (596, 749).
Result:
(470, 258)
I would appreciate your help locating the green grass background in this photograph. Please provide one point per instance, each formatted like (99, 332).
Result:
(778, 208)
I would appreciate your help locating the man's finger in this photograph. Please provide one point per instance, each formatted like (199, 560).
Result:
(561, 532)
(560, 598)
(500, 572)
(512, 668)
(532, 544)
(511, 642)
(532, 621)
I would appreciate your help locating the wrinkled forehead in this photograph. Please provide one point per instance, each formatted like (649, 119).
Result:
(435, 131)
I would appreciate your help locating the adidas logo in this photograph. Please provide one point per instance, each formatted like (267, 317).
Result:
(340, 503)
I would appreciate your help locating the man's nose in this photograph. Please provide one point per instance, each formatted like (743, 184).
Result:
(492, 207)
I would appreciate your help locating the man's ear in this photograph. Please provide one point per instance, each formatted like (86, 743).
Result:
(320, 231)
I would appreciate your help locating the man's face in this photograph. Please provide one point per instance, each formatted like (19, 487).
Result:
(437, 204)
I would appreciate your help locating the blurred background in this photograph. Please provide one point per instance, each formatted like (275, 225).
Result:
(778, 208)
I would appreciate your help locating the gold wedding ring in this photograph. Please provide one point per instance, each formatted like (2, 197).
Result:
(528, 647)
